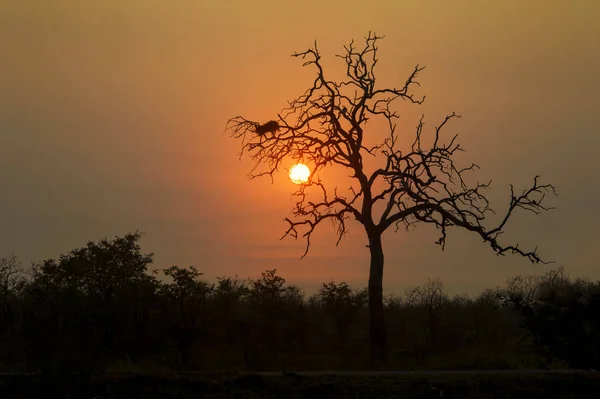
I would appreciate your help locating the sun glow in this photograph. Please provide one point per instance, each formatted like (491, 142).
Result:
(299, 173)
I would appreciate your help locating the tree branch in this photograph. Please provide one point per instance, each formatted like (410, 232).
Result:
(325, 127)
(425, 185)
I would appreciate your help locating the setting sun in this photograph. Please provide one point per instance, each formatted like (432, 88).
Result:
(299, 173)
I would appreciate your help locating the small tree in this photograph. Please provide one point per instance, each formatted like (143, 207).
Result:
(273, 306)
(90, 301)
(10, 271)
(430, 297)
(327, 127)
(185, 308)
(342, 304)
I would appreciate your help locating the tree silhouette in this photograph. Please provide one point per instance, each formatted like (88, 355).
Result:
(327, 126)
(185, 301)
(431, 297)
(99, 308)
(274, 309)
(342, 304)
(91, 302)
(10, 270)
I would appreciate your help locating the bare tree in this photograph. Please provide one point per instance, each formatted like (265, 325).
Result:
(327, 126)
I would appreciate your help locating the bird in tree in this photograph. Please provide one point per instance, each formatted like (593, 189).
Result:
(269, 127)
(395, 182)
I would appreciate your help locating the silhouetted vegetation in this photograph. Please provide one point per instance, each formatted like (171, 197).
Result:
(408, 184)
(101, 308)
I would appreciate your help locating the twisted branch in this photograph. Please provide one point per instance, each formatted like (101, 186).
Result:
(324, 127)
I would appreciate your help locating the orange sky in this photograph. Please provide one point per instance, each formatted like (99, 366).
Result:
(112, 113)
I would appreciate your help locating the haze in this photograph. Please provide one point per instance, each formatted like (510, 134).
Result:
(112, 113)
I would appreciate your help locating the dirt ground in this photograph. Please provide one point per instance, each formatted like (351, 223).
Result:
(290, 386)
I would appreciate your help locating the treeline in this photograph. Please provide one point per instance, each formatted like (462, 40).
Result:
(102, 308)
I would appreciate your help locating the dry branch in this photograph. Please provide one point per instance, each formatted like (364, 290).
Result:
(325, 126)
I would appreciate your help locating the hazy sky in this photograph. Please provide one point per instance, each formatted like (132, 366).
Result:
(112, 116)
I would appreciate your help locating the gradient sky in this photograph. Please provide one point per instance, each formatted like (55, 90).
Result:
(112, 116)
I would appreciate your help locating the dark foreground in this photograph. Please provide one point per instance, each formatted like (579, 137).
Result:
(470, 384)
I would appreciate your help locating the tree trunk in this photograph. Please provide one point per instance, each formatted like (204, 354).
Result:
(376, 318)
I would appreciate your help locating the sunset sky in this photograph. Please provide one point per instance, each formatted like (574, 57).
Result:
(112, 116)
